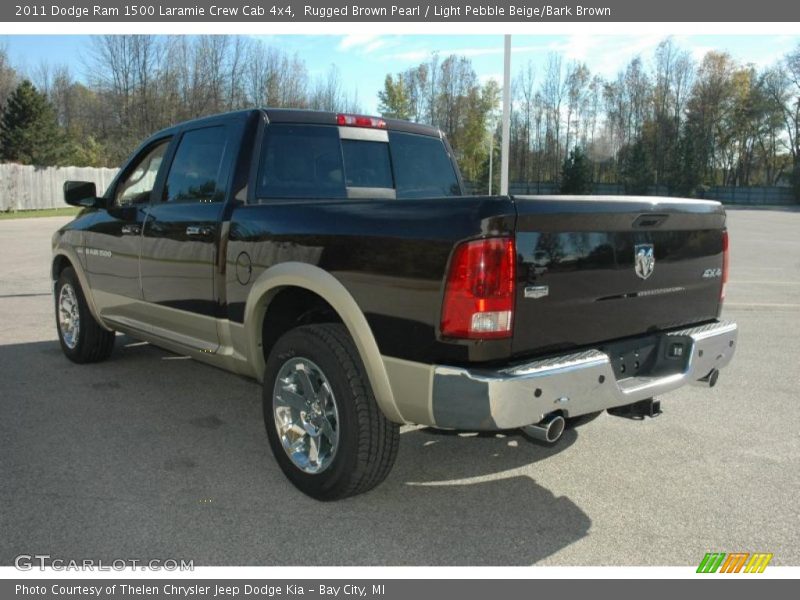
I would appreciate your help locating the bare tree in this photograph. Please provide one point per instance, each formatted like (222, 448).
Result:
(553, 96)
(8, 76)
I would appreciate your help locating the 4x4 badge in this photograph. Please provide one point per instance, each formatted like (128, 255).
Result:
(644, 260)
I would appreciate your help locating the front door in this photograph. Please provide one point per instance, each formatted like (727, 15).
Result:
(113, 241)
(180, 240)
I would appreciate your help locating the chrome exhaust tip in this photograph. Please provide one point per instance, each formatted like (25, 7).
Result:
(547, 430)
(711, 379)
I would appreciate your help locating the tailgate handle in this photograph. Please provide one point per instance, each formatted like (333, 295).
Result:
(648, 220)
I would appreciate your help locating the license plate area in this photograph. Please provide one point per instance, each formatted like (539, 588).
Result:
(655, 355)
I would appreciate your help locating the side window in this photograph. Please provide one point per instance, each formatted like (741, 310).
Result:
(422, 168)
(135, 188)
(196, 171)
(301, 161)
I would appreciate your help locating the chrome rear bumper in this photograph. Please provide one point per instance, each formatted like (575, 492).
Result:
(574, 384)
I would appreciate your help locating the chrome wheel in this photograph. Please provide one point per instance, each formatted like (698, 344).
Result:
(306, 416)
(69, 316)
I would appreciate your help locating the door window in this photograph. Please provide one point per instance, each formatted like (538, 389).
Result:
(135, 188)
(196, 171)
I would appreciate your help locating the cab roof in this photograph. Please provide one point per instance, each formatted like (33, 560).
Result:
(293, 115)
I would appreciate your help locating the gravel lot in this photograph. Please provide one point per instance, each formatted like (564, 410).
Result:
(150, 455)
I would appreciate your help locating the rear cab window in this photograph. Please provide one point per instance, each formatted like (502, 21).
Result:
(301, 161)
(330, 162)
(422, 167)
(367, 164)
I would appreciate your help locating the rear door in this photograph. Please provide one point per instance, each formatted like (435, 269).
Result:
(180, 237)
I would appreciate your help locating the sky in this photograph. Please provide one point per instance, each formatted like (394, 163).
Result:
(364, 60)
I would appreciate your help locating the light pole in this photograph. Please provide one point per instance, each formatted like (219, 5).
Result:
(506, 116)
(491, 156)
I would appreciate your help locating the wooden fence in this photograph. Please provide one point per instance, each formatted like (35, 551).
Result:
(24, 187)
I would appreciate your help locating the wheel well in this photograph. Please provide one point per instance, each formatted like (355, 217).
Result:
(290, 308)
(60, 263)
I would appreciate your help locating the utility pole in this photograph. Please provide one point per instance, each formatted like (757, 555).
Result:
(506, 117)
(491, 152)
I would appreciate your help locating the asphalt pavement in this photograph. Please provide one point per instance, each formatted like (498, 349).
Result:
(151, 455)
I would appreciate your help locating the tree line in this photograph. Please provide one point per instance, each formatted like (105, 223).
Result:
(666, 121)
(137, 84)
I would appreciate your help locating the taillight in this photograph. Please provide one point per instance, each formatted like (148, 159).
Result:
(725, 264)
(479, 292)
(361, 121)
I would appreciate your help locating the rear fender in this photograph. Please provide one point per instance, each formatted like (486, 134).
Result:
(322, 283)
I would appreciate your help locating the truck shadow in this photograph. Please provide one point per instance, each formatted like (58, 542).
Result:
(147, 455)
(470, 498)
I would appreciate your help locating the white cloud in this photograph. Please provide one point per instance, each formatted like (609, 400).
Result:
(607, 54)
(363, 41)
(422, 54)
(374, 45)
(411, 55)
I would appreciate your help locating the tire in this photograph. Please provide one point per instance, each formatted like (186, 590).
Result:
(82, 339)
(356, 449)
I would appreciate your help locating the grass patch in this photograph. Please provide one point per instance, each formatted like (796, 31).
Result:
(67, 211)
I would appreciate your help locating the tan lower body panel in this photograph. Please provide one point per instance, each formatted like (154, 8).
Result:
(224, 344)
(214, 341)
(411, 383)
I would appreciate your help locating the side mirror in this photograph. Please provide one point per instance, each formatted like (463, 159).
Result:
(81, 193)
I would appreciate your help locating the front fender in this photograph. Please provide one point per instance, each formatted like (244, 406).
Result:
(325, 285)
(69, 252)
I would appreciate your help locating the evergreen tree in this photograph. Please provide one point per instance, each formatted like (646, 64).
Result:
(796, 182)
(637, 174)
(29, 132)
(89, 153)
(688, 181)
(576, 174)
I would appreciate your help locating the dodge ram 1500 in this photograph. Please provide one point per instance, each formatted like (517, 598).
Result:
(336, 259)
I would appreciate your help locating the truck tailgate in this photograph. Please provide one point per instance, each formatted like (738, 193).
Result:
(579, 284)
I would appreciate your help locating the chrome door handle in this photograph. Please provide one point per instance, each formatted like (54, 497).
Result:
(131, 229)
(199, 231)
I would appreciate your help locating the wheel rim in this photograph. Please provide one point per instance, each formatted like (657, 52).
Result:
(69, 317)
(306, 416)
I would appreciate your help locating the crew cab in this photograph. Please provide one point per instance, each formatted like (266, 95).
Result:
(337, 260)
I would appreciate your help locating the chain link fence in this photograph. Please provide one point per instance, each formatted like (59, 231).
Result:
(752, 195)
